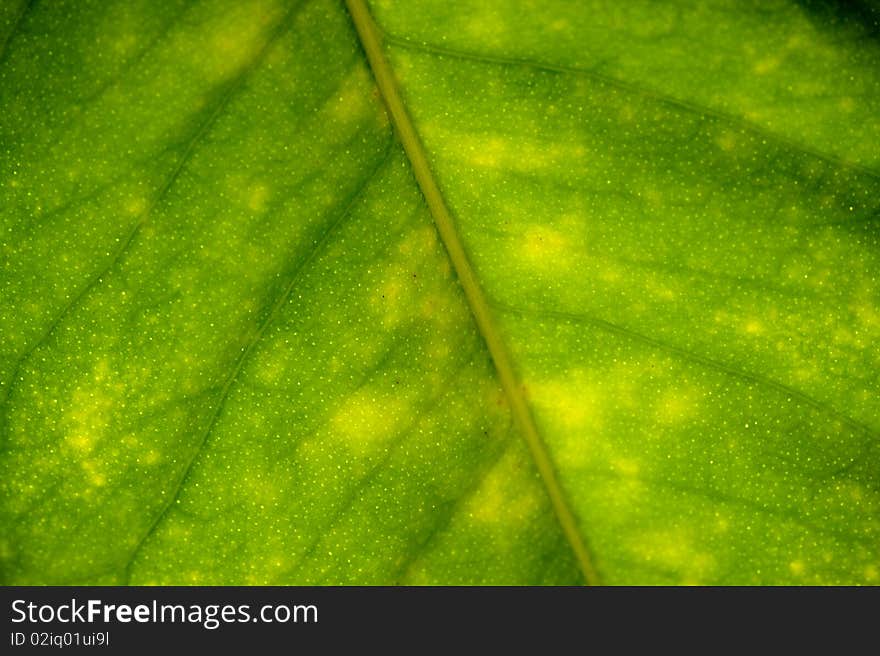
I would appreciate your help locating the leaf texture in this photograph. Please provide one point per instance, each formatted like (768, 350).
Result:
(236, 351)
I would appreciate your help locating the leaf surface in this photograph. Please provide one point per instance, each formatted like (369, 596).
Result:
(235, 350)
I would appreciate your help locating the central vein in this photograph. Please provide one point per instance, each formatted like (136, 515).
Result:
(409, 138)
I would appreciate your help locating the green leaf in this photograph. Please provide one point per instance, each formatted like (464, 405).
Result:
(595, 301)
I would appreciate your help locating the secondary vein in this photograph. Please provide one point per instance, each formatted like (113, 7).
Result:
(479, 306)
(675, 102)
(274, 311)
(128, 240)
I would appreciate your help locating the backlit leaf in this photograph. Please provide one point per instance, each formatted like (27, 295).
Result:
(234, 348)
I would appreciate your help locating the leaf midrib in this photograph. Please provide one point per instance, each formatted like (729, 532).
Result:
(409, 138)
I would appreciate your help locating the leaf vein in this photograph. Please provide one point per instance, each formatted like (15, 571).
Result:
(697, 358)
(197, 136)
(231, 378)
(634, 89)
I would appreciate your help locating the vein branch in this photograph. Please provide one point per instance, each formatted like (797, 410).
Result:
(232, 376)
(654, 95)
(697, 358)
